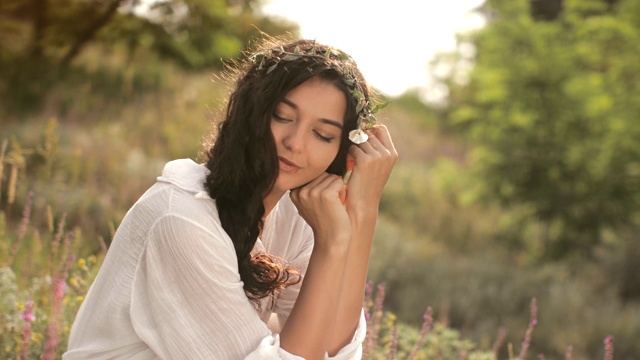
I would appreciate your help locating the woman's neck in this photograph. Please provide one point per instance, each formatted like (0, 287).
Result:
(270, 202)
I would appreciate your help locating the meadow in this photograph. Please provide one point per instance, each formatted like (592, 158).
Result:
(445, 284)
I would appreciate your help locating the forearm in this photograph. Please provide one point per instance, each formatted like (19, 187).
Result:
(308, 329)
(354, 281)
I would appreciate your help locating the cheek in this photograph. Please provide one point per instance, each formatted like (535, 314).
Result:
(327, 156)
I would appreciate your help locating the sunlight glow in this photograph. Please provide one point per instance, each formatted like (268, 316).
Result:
(392, 41)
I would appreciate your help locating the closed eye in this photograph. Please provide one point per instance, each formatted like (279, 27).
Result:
(324, 138)
(280, 118)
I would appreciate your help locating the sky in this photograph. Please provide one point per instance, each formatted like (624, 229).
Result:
(392, 41)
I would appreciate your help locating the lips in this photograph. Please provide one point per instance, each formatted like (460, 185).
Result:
(287, 166)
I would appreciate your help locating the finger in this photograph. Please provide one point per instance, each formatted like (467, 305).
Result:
(343, 195)
(351, 161)
(318, 186)
(355, 151)
(377, 145)
(366, 146)
(332, 183)
(305, 190)
(381, 132)
(337, 186)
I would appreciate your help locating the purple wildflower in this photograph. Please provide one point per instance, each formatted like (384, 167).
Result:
(27, 314)
(569, 354)
(608, 348)
(426, 327)
(532, 323)
(393, 344)
(22, 228)
(502, 335)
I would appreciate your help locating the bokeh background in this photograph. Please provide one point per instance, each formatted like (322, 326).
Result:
(518, 180)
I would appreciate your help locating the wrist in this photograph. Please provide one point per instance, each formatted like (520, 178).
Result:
(336, 244)
(365, 218)
(363, 210)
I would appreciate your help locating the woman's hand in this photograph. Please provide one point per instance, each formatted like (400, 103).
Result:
(318, 202)
(373, 162)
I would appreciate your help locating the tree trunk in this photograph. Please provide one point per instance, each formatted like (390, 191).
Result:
(93, 28)
(40, 8)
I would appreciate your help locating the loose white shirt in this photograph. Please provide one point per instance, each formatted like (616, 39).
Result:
(169, 287)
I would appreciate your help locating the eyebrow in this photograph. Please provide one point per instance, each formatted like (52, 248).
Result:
(326, 121)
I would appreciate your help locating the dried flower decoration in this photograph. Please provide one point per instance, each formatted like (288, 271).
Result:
(270, 60)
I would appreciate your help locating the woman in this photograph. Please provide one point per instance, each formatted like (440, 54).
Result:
(261, 252)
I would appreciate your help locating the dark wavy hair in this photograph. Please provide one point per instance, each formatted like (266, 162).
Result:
(242, 158)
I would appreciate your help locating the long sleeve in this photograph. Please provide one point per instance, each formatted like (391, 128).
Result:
(188, 301)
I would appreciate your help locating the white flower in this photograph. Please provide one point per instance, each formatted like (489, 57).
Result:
(358, 136)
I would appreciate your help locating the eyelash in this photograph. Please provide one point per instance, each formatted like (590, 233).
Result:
(279, 118)
(322, 138)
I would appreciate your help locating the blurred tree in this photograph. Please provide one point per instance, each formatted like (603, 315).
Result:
(41, 42)
(196, 33)
(553, 107)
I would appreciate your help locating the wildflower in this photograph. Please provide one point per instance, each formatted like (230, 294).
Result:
(36, 338)
(81, 262)
(393, 344)
(608, 348)
(60, 288)
(569, 354)
(426, 327)
(502, 334)
(27, 314)
(532, 323)
(358, 136)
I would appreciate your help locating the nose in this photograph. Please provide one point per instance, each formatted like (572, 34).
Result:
(294, 139)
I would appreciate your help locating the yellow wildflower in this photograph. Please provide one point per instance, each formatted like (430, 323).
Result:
(36, 338)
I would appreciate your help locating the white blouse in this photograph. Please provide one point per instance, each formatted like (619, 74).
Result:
(169, 287)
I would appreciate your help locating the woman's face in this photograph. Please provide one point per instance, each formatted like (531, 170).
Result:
(307, 128)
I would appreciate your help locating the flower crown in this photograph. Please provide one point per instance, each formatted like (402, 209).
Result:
(271, 58)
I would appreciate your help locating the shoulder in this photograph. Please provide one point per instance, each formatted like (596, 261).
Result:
(185, 174)
(179, 208)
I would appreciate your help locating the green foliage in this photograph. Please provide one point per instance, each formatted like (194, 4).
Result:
(552, 107)
(45, 43)
(197, 33)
